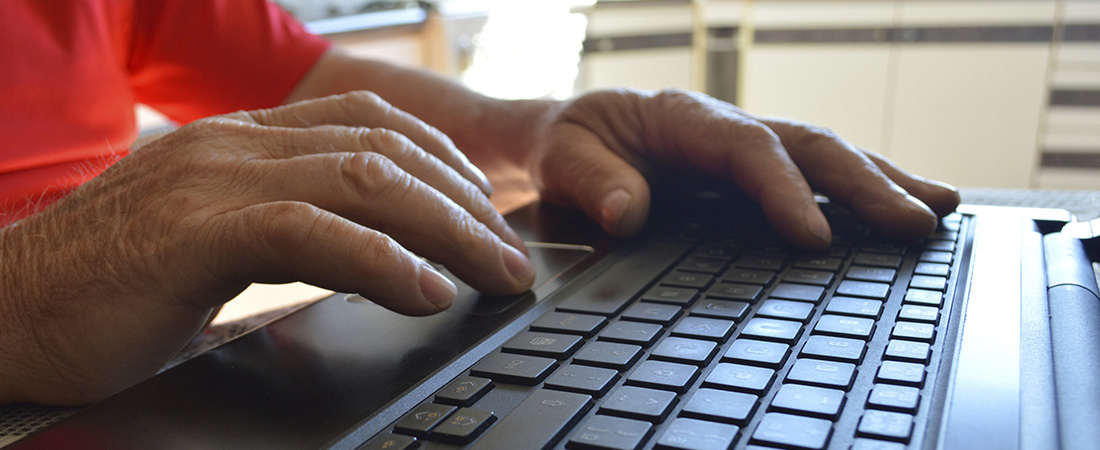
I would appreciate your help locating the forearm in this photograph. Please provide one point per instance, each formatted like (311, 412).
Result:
(491, 132)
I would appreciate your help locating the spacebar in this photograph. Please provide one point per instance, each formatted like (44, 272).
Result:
(613, 289)
(538, 422)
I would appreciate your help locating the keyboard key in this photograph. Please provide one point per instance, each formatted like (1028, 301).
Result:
(671, 295)
(749, 276)
(917, 313)
(548, 345)
(652, 312)
(913, 331)
(889, 247)
(886, 424)
(814, 277)
(704, 328)
(387, 441)
(872, 444)
(908, 351)
(740, 377)
(422, 419)
(608, 433)
(715, 252)
(941, 246)
(761, 261)
(933, 269)
(464, 390)
(910, 374)
(691, 434)
(829, 374)
(895, 398)
(835, 349)
(463, 426)
(720, 406)
(594, 381)
(721, 309)
(786, 430)
(808, 400)
(639, 403)
(757, 353)
(852, 288)
(687, 279)
(924, 297)
(702, 265)
(569, 323)
(609, 355)
(735, 291)
(877, 260)
(928, 282)
(515, 369)
(851, 306)
(686, 351)
(817, 262)
(944, 235)
(538, 422)
(875, 274)
(625, 332)
(933, 256)
(772, 330)
(663, 375)
(843, 326)
(800, 292)
(786, 309)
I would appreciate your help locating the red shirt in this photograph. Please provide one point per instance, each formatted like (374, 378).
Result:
(71, 72)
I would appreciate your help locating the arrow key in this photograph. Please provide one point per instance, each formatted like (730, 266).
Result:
(464, 391)
(463, 426)
(422, 419)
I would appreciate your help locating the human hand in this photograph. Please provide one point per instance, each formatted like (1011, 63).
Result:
(603, 147)
(105, 286)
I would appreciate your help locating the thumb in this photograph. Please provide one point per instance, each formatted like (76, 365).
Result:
(578, 170)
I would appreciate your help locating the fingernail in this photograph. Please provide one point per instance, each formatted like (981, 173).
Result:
(613, 206)
(517, 263)
(816, 224)
(436, 288)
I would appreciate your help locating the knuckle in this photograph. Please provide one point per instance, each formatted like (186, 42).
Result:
(372, 174)
(380, 250)
(286, 227)
(757, 133)
(810, 136)
(471, 234)
(394, 145)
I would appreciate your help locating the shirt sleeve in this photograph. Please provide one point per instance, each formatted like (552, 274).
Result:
(196, 58)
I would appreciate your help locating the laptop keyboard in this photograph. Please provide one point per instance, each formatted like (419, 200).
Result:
(714, 336)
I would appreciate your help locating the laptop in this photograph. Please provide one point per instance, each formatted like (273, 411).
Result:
(706, 332)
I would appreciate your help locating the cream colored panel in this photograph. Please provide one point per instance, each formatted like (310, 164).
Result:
(842, 87)
(1064, 178)
(722, 13)
(643, 69)
(1077, 65)
(818, 14)
(1081, 11)
(1074, 117)
(991, 13)
(635, 19)
(969, 114)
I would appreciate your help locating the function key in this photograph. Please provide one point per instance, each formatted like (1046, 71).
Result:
(854, 307)
(822, 373)
(515, 369)
(757, 353)
(687, 351)
(609, 355)
(808, 400)
(691, 434)
(759, 277)
(422, 419)
(639, 403)
(608, 433)
(720, 309)
(720, 406)
(678, 278)
(549, 345)
(464, 390)
(800, 292)
(791, 431)
(594, 381)
(877, 260)
(896, 398)
(570, 323)
(652, 312)
(463, 426)
(886, 424)
(671, 295)
(876, 274)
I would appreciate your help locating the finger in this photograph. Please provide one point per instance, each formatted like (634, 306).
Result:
(848, 176)
(941, 197)
(365, 109)
(370, 189)
(580, 171)
(281, 241)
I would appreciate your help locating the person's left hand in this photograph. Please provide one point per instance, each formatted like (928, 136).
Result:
(601, 149)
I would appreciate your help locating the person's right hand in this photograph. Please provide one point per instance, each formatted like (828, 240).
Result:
(105, 286)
